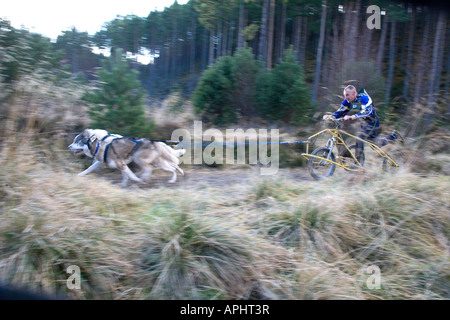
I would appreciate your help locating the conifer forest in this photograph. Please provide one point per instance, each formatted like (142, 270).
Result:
(397, 50)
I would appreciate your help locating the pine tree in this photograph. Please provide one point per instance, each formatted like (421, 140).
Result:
(226, 91)
(245, 70)
(213, 95)
(282, 92)
(117, 105)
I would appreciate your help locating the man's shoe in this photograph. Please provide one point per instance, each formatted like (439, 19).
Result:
(396, 135)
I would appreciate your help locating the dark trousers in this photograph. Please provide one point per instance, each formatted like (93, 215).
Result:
(369, 131)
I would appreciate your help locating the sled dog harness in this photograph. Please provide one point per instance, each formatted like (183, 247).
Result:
(136, 146)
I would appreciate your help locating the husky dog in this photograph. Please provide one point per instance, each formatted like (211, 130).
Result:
(80, 147)
(120, 151)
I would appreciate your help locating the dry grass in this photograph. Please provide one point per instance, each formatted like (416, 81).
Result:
(271, 238)
(276, 237)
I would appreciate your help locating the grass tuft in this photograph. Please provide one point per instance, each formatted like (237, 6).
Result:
(267, 238)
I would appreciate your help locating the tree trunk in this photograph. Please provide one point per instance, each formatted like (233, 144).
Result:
(391, 63)
(447, 87)
(240, 43)
(441, 54)
(270, 35)
(218, 38)
(205, 47)
(368, 43)
(304, 41)
(435, 75)
(174, 52)
(409, 55)
(347, 19)
(297, 35)
(325, 73)
(354, 19)
(421, 64)
(381, 44)
(211, 48)
(336, 53)
(282, 31)
(192, 52)
(230, 40)
(320, 50)
(224, 38)
(262, 45)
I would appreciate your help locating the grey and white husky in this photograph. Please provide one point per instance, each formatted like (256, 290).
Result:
(117, 152)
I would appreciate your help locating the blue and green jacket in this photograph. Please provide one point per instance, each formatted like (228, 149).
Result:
(363, 102)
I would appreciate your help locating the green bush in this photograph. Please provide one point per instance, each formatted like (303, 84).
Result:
(245, 69)
(239, 86)
(212, 96)
(283, 94)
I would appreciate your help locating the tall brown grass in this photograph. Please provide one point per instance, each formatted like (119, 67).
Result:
(275, 237)
(270, 238)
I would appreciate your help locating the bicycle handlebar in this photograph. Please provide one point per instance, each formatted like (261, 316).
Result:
(337, 121)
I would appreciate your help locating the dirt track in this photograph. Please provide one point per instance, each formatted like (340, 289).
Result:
(198, 177)
(224, 177)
